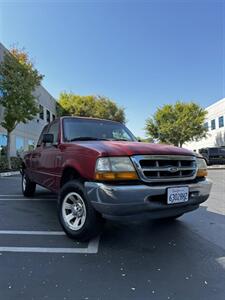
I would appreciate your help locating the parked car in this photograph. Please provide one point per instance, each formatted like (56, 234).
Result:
(213, 155)
(100, 171)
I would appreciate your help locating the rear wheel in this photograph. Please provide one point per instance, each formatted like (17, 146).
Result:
(78, 218)
(28, 187)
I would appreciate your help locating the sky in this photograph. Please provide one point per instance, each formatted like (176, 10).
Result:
(141, 54)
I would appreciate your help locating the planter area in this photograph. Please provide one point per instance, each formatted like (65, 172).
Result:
(15, 161)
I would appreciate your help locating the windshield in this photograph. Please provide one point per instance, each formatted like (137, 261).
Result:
(92, 129)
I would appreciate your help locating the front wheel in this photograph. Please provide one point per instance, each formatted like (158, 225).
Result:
(78, 218)
(28, 187)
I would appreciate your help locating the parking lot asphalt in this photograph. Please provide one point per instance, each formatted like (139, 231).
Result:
(179, 260)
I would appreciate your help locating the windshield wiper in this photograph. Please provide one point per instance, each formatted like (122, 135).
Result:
(86, 138)
(125, 140)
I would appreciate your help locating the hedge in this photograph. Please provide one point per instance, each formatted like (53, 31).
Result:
(15, 161)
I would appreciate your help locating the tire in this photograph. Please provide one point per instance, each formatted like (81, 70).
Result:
(28, 187)
(78, 218)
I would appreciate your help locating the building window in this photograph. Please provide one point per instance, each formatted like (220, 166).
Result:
(3, 139)
(48, 116)
(53, 117)
(41, 112)
(206, 125)
(221, 122)
(213, 124)
(19, 144)
(3, 144)
(31, 145)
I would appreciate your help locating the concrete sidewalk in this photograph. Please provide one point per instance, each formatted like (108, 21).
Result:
(7, 174)
(215, 167)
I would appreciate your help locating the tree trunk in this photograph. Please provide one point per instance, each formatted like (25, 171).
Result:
(8, 149)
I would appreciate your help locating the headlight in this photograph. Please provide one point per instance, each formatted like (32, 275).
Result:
(202, 168)
(115, 168)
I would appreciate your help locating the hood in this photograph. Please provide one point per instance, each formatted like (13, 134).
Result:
(122, 148)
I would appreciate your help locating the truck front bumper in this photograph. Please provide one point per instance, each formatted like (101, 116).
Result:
(134, 202)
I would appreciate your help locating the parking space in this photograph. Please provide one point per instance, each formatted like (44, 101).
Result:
(31, 224)
(151, 260)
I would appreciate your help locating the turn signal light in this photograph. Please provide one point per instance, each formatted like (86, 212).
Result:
(103, 176)
(202, 173)
(202, 167)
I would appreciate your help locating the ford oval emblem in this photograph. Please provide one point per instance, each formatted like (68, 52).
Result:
(173, 169)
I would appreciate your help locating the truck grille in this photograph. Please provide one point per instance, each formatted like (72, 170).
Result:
(157, 168)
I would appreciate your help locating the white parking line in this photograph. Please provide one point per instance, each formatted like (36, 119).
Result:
(20, 195)
(28, 199)
(26, 232)
(91, 249)
(92, 245)
(15, 197)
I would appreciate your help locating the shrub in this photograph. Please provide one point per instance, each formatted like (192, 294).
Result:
(15, 161)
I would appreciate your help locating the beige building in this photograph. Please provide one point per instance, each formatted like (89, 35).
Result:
(215, 122)
(25, 136)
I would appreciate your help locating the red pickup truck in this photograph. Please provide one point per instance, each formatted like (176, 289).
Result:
(100, 170)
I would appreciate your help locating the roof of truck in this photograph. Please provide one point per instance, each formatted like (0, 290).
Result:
(88, 118)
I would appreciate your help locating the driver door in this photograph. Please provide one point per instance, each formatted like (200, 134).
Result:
(49, 156)
(35, 158)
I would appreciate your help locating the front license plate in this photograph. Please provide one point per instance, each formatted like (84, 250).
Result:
(177, 195)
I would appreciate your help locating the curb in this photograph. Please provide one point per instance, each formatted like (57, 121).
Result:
(7, 174)
(219, 167)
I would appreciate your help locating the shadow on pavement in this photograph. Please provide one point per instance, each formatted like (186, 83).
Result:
(165, 259)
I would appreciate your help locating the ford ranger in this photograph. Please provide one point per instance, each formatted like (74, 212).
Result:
(99, 170)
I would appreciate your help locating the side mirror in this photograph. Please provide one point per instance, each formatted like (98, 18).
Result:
(48, 138)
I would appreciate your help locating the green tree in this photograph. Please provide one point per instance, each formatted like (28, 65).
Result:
(18, 80)
(177, 124)
(145, 140)
(90, 106)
